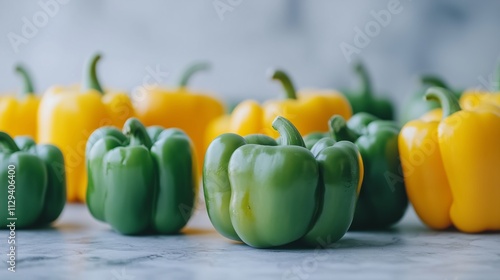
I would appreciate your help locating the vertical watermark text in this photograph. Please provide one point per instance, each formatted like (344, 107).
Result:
(11, 219)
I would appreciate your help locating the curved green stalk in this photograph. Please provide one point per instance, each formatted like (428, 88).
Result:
(90, 75)
(366, 85)
(289, 135)
(28, 88)
(286, 82)
(191, 70)
(446, 98)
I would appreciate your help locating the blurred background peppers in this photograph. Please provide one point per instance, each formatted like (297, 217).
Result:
(468, 99)
(382, 201)
(308, 110)
(67, 117)
(141, 180)
(450, 165)
(364, 100)
(18, 113)
(181, 107)
(416, 106)
(269, 194)
(37, 172)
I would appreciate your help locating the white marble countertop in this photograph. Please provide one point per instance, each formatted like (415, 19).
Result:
(78, 247)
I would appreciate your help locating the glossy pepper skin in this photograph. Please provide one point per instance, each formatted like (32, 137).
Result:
(382, 201)
(67, 117)
(364, 100)
(308, 110)
(38, 175)
(176, 108)
(268, 194)
(141, 180)
(416, 106)
(18, 114)
(450, 165)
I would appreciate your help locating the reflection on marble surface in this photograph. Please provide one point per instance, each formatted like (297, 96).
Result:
(78, 247)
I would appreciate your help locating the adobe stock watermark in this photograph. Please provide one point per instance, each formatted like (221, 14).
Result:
(491, 82)
(420, 154)
(153, 78)
(223, 6)
(31, 26)
(11, 220)
(363, 36)
(310, 264)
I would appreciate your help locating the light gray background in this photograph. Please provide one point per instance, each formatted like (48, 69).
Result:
(457, 39)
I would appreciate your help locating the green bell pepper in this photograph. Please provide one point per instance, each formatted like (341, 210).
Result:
(32, 180)
(416, 106)
(268, 194)
(382, 200)
(364, 100)
(141, 180)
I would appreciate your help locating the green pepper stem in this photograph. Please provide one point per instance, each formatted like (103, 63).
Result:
(446, 98)
(433, 81)
(286, 82)
(191, 70)
(7, 142)
(339, 129)
(366, 85)
(289, 135)
(90, 75)
(137, 133)
(28, 88)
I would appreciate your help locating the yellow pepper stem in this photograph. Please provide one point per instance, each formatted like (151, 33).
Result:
(7, 142)
(191, 70)
(340, 131)
(137, 133)
(289, 135)
(90, 75)
(286, 82)
(446, 98)
(28, 88)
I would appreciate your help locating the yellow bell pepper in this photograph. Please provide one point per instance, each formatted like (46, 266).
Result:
(433, 115)
(216, 127)
(181, 108)
(309, 110)
(68, 116)
(18, 114)
(450, 166)
(473, 98)
(468, 101)
(247, 118)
